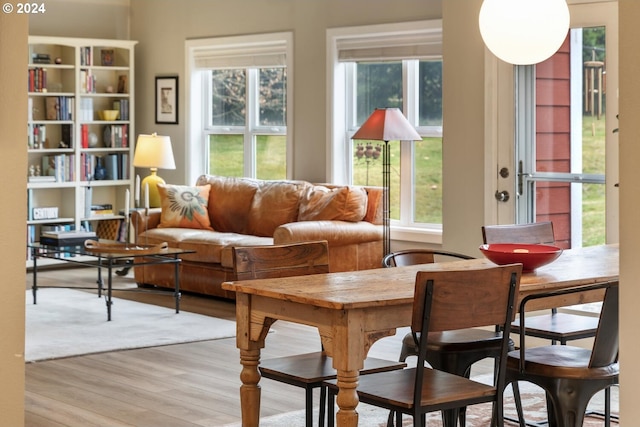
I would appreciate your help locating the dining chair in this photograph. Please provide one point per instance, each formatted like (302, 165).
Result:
(310, 370)
(451, 351)
(554, 326)
(571, 375)
(446, 301)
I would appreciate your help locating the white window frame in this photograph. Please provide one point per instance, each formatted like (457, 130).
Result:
(240, 52)
(410, 38)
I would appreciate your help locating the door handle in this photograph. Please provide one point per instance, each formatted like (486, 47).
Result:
(502, 196)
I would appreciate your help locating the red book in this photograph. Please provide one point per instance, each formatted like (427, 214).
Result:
(85, 136)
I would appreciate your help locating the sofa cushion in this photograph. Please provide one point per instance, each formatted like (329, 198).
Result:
(229, 202)
(184, 206)
(275, 203)
(338, 204)
(209, 246)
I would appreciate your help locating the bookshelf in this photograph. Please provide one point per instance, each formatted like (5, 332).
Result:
(80, 136)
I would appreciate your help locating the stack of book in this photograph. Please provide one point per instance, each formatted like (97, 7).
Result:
(66, 237)
(105, 209)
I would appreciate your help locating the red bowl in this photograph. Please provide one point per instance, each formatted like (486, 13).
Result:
(530, 256)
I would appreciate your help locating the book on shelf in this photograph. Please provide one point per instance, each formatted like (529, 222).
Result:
(86, 55)
(66, 135)
(59, 108)
(86, 109)
(59, 167)
(87, 81)
(37, 79)
(122, 106)
(116, 136)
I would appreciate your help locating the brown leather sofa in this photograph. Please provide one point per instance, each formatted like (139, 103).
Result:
(248, 212)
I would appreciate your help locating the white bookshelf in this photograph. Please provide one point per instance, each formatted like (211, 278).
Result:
(70, 80)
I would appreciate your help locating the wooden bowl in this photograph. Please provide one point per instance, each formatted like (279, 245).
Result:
(109, 115)
(530, 256)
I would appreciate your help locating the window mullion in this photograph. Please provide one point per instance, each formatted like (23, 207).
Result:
(410, 108)
(252, 96)
(350, 116)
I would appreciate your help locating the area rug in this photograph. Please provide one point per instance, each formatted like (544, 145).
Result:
(68, 322)
(532, 397)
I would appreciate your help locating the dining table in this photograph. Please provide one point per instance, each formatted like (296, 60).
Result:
(352, 310)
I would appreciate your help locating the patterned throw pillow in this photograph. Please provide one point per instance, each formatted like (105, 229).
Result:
(184, 206)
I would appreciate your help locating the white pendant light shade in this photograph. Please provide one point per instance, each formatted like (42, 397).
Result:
(524, 32)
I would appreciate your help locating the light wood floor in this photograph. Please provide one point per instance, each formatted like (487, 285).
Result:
(183, 385)
(174, 386)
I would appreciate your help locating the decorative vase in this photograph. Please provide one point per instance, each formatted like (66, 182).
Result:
(100, 172)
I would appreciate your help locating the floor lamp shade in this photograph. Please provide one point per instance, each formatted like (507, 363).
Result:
(387, 124)
(153, 152)
(524, 32)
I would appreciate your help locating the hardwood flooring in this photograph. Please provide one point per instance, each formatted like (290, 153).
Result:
(184, 385)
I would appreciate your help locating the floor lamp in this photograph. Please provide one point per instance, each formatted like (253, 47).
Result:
(387, 124)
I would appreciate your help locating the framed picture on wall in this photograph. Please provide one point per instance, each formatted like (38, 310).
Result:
(167, 100)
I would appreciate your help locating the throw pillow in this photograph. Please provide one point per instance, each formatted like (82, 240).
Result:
(337, 204)
(184, 206)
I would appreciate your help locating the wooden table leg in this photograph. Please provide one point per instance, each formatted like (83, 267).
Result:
(250, 389)
(249, 359)
(347, 399)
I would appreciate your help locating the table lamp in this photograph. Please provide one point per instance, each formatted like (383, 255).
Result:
(154, 152)
(387, 124)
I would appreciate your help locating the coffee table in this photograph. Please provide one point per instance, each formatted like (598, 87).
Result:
(109, 255)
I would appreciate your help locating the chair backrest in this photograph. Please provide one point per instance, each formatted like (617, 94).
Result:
(418, 256)
(538, 232)
(606, 343)
(461, 299)
(295, 259)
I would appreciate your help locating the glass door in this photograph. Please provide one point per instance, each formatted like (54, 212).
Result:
(566, 156)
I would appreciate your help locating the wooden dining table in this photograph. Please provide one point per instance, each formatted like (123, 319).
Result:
(352, 310)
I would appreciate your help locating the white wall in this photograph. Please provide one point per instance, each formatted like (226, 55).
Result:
(629, 94)
(463, 147)
(13, 168)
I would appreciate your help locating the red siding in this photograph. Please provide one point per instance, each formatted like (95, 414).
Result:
(553, 136)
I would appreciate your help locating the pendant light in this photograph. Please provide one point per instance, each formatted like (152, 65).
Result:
(524, 32)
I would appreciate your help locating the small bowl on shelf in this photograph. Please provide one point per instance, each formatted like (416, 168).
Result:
(108, 115)
(531, 256)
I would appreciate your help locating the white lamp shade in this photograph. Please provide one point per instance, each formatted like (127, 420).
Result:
(387, 124)
(154, 151)
(524, 32)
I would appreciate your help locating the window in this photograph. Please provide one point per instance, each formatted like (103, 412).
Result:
(400, 66)
(240, 87)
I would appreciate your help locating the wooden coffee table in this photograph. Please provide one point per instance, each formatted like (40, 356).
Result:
(110, 255)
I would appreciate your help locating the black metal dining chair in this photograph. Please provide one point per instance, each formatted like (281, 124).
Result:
(451, 351)
(446, 301)
(554, 326)
(571, 375)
